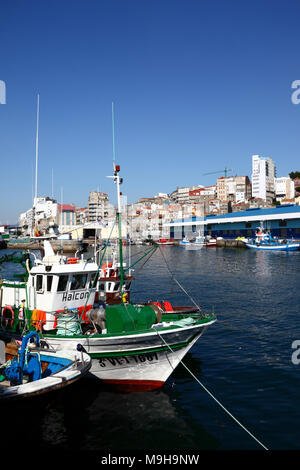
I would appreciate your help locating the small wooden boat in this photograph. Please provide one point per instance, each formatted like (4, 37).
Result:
(29, 370)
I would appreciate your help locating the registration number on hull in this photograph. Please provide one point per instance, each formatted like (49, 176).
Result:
(124, 360)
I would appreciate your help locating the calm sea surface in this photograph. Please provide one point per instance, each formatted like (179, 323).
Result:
(244, 360)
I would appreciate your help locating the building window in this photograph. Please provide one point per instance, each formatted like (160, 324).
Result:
(282, 223)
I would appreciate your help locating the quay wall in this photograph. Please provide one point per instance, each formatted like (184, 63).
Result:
(230, 243)
(68, 246)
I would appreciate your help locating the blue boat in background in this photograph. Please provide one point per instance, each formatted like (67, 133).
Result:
(265, 241)
(185, 242)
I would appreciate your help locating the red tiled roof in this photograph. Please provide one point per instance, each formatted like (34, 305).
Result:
(66, 207)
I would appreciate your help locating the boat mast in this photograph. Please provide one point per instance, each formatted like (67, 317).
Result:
(118, 181)
(36, 164)
(37, 143)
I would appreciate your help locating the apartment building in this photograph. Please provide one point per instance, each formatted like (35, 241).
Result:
(182, 195)
(233, 188)
(263, 178)
(98, 206)
(284, 188)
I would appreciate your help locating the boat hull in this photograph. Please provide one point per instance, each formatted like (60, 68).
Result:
(135, 361)
(275, 247)
(79, 367)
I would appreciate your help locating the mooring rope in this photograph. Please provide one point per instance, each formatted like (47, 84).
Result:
(214, 398)
(177, 282)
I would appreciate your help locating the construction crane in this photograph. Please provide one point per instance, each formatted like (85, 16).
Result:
(225, 171)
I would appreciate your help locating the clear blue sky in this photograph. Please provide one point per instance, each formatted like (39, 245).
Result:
(197, 86)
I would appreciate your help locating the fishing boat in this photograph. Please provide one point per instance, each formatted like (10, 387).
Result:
(200, 240)
(165, 241)
(132, 346)
(265, 241)
(184, 242)
(211, 242)
(28, 370)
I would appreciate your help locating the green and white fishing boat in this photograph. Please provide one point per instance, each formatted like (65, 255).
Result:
(132, 346)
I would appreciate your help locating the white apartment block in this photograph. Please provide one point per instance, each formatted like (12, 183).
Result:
(45, 208)
(263, 178)
(284, 188)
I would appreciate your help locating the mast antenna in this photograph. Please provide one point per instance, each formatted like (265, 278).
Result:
(118, 181)
(37, 143)
(113, 133)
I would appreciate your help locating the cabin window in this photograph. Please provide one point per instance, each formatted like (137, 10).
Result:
(117, 285)
(78, 281)
(62, 283)
(94, 279)
(39, 282)
(101, 286)
(49, 283)
(128, 284)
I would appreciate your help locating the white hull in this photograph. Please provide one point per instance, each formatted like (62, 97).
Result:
(146, 371)
(194, 246)
(143, 361)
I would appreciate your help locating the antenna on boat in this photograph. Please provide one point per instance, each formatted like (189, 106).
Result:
(37, 143)
(113, 133)
(52, 192)
(118, 181)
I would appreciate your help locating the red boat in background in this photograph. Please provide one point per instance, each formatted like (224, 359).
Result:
(165, 241)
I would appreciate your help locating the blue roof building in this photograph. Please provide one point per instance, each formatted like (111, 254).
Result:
(282, 221)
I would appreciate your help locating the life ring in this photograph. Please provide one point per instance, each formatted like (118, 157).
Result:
(8, 321)
(72, 260)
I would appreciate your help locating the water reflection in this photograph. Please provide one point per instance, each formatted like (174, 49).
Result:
(91, 418)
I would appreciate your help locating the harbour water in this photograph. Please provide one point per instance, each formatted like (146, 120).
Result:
(245, 360)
